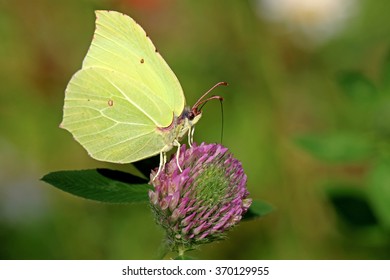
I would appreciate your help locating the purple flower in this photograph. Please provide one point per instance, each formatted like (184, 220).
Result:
(201, 203)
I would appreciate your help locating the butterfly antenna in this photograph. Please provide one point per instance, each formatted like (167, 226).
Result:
(202, 101)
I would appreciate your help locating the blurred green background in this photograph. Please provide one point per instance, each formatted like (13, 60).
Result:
(307, 113)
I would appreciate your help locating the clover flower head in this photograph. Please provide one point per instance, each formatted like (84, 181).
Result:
(199, 204)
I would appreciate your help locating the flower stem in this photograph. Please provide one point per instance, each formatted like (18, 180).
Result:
(181, 251)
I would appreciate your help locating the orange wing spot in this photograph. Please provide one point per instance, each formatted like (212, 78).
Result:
(110, 102)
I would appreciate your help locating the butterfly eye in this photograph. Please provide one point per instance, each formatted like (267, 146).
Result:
(191, 115)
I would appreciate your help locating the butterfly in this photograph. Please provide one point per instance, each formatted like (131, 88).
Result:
(125, 104)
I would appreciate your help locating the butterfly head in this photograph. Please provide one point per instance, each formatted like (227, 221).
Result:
(191, 115)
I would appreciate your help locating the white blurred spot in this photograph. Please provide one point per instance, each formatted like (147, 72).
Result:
(315, 20)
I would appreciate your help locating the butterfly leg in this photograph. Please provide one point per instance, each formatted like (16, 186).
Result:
(176, 143)
(191, 131)
(163, 160)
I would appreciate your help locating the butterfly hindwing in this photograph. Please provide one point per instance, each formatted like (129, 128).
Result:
(107, 122)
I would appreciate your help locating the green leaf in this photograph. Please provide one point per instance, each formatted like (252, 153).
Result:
(102, 185)
(336, 147)
(352, 205)
(257, 209)
(379, 191)
(357, 87)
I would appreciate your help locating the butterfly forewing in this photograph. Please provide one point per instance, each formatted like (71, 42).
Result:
(122, 45)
